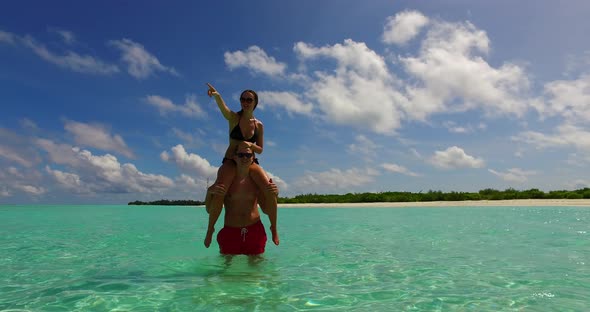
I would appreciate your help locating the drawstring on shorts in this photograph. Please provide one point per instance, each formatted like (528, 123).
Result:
(243, 233)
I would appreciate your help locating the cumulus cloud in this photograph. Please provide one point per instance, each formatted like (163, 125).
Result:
(394, 168)
(289, 101)
(566, 135)
(363, 145)
(96, 135)
(334, 180)
(99, 174)
(454, 128)
(402, 27)
(141, 64)
(69, 181)
(448, 74)
(16, 148)
(568, 98)
(25, 180)
(281, 184)
(256, 60)
(12, 155)
(192, 140)
(360, 92)
(453, 75)
(190, 162)
(71, 60)
(165, 106)
(454, 158)
(516, 175)
(31, 189)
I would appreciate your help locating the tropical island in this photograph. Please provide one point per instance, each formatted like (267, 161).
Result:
(384, 197)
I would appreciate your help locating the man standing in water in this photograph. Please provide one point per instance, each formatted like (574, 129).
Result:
(243, 232)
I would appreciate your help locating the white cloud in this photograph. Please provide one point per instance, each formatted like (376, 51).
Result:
(334, 180)
(71, 60)
(415, 153)
(281, 184)
(363, 145)
(99, 174)
(141, 64)
(30, 189)
(579, 184)
(17, 149)
(12, 155)
(7, 37)
(67, 36)
(449, 74)
(350, 56)
(96, 135)
(565, 136)
(190, 108)
(402, 27)
(394, 168)
(256, 60)
(4, 192)
(513, 175)
(454, 128)
(190, 162)
(568, 98)
(15, 172)
(165, 156)
(59, 153)
(360, 92)
(454, 158)
(70, 181)
(290, 101)
(454, 77)
(14, 180)
(577, 64)
(189, 139)
(28, 124)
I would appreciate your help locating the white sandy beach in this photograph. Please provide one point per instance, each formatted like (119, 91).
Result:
(467, 203)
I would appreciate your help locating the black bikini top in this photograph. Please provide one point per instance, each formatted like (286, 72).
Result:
(236, 134)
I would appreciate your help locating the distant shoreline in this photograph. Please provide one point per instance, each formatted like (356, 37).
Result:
(465, 203)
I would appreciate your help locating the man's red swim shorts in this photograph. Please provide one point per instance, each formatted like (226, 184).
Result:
(249, 240)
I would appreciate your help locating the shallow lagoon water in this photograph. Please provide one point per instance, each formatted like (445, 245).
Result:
(151, 258)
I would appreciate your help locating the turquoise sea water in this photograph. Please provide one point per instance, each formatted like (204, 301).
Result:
(148, 258)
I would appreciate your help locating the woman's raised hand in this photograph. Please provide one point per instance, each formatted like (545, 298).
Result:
(211, 92)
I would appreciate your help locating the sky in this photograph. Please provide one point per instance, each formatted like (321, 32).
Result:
(105, 102)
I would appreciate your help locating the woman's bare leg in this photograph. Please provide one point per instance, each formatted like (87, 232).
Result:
(214, 200)
(269, 203)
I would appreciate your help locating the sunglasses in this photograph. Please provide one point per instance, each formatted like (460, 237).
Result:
(242, 155)
(247, 100)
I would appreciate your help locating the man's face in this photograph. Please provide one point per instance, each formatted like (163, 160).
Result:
(244, 156)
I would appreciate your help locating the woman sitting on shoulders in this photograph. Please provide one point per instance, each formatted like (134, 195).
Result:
(243, 127)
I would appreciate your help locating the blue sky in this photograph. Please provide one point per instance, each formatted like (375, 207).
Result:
(106, 102)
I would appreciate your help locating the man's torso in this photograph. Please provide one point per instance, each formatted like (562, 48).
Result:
(241, 205)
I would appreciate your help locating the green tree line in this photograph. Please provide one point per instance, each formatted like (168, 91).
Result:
(486, 194)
